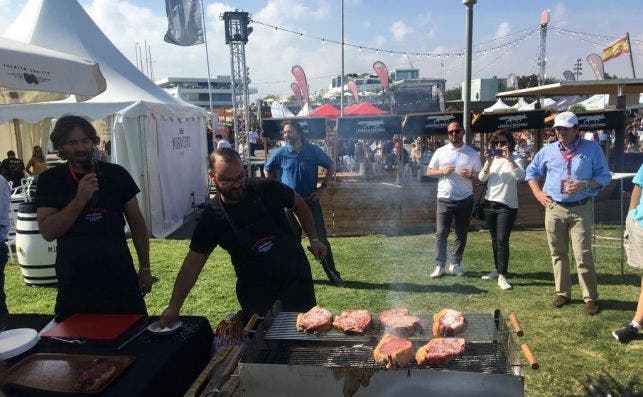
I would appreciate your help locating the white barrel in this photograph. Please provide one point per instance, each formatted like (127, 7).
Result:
(36, 256)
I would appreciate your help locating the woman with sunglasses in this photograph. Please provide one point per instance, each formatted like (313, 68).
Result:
(501, 172)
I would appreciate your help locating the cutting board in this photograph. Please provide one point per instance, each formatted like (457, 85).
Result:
(62, 372)
(102, 327)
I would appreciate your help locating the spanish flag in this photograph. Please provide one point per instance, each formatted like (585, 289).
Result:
(619, 48)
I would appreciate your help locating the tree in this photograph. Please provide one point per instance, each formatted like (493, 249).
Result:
(532, 81)
(578, 108)
(454, 94)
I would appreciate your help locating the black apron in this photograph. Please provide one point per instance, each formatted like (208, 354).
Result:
(270, 264)
(96, 273)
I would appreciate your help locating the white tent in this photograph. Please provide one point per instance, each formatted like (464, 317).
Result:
(595, 102)
(499, 106)
(305, 111)
(523, 105)
(278, 110)
(159, 139)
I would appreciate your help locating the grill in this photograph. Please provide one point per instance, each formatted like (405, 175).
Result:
(282, 361)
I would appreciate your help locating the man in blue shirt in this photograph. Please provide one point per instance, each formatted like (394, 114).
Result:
(298, 162)
(575, 170)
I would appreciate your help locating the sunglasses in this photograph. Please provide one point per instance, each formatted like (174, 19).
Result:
(454, 132)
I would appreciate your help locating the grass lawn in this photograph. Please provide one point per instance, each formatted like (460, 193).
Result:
(393, 271)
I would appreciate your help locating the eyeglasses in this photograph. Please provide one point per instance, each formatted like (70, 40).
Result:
(454, 132)
(230, 181)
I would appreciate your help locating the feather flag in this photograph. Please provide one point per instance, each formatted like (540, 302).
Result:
(617, 49)
(185, 27)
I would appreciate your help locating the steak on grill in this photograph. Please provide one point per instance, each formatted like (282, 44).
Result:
(353, 321)
(400, 322)
(393, 351)
(448, 322)
(315, 320)
(439, 350)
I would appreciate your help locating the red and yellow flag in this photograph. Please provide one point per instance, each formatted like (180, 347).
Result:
(619, 48)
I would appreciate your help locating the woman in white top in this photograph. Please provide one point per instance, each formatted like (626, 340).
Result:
(502, 172)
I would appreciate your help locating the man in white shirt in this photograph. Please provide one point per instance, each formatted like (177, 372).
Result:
(457, 164)
(221, 142)
(253, 136)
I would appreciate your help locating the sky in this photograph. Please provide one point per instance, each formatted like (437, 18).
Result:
(505, 37)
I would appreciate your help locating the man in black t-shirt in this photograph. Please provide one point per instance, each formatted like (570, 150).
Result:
(84, 204)
(13, 169)
(247, 219)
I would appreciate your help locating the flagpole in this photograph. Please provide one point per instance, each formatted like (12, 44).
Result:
(627, 34)
(207, 56)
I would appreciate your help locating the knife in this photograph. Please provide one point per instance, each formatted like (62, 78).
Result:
(131, 338)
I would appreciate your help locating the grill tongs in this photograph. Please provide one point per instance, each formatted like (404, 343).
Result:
(332, 276)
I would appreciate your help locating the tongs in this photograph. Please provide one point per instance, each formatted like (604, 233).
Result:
(332, 276)
(80, 341)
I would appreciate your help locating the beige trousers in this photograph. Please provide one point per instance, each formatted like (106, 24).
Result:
(565, 224)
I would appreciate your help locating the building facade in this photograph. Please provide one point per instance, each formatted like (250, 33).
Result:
(195, 90)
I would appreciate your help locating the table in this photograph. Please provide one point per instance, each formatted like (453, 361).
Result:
(164, 365)
(620, 177)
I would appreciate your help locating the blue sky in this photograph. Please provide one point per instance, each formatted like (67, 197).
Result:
(406, 26)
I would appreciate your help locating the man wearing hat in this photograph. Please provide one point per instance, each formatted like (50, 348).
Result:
(575, 171)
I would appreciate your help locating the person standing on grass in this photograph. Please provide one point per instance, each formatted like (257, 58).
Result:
(299, 162)
(633, 241)
(575, 171)
(457, 164)
(247, 219)
(501, 172)
(83, 204)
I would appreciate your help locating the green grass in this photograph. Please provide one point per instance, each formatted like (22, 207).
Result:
(386, 271)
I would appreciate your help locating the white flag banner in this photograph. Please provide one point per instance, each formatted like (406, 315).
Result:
(184, 22)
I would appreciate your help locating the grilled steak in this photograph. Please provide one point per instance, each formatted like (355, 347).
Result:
(400, 322)
(448, 322)
(92, 378)
(439, 350)
(393, 351)
(315, 320)
(353, 321)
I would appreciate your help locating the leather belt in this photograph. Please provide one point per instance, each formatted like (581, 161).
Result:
(568, 204)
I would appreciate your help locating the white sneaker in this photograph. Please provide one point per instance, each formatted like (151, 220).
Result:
(491, 276)
(455, 270)
(438, 272)
(502, 283)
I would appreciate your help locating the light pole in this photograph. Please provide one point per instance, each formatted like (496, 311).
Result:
(466, 116)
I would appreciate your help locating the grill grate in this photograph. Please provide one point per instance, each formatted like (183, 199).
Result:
(480, 328)
(478, 357)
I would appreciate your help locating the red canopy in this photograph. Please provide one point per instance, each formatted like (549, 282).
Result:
(364, 109)
(326, 110)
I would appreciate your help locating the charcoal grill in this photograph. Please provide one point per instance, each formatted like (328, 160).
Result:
(281, 361)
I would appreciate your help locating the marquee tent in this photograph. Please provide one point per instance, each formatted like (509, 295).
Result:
(159, 139)
(326, 110)
(499, 106)
(364, 109)
(523, 105)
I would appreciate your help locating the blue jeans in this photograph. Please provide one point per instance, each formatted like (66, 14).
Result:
(446, 211)
(3, 261)
(500, 220)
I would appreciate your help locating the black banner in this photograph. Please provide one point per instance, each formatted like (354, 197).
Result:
(490, 122)
(312, 127)
(603, 120)
(380, 127)
(429, 123)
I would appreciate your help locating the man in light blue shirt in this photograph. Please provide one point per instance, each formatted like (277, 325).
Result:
(5, 202)
(298, 162)
(575, 170)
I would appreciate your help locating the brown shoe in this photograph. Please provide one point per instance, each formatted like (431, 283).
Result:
(591, 308)
(560, 301)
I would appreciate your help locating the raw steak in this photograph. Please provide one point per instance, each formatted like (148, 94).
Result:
(393, 351)
(353, 321)
(92, 378)
(439, 350)
(448, 322)
(315, 320)
(400, 322)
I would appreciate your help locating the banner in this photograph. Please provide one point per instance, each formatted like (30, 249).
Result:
(300, 78)
(512, 81)
(603, 120)
(440, 97)
(353, 87)
(296, 91)
(617, 49)
(184, 22)
(569, 75)
(382, 127)
(596, 63)
(429, 123)
(490, 122)
(382, 73)
(312, 127)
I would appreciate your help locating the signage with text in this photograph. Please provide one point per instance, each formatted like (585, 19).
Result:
(429, 123)
(312, 127)
(379, 127)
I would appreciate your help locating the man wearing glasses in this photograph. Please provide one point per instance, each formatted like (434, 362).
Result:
(247, 219)
(575, 171)
(456, 164)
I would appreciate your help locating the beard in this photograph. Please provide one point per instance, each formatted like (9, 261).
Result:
(81, 159)
(232, 193)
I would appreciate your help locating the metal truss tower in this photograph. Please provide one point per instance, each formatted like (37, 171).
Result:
(542, 57)
(236, 35)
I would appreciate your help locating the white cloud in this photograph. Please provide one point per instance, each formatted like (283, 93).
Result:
(559, 13)
(428, 24)
(503, 29)
(400, 30)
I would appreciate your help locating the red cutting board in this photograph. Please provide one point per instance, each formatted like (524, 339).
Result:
(105, 327)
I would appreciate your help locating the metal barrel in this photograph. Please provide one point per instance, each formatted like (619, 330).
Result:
(36, 256)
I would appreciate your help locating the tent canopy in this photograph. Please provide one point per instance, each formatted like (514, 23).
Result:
(499, 106)
(326, 110)
(364, 109)
(583, 87)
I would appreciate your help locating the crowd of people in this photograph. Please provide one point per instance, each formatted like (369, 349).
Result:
(85, 203)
